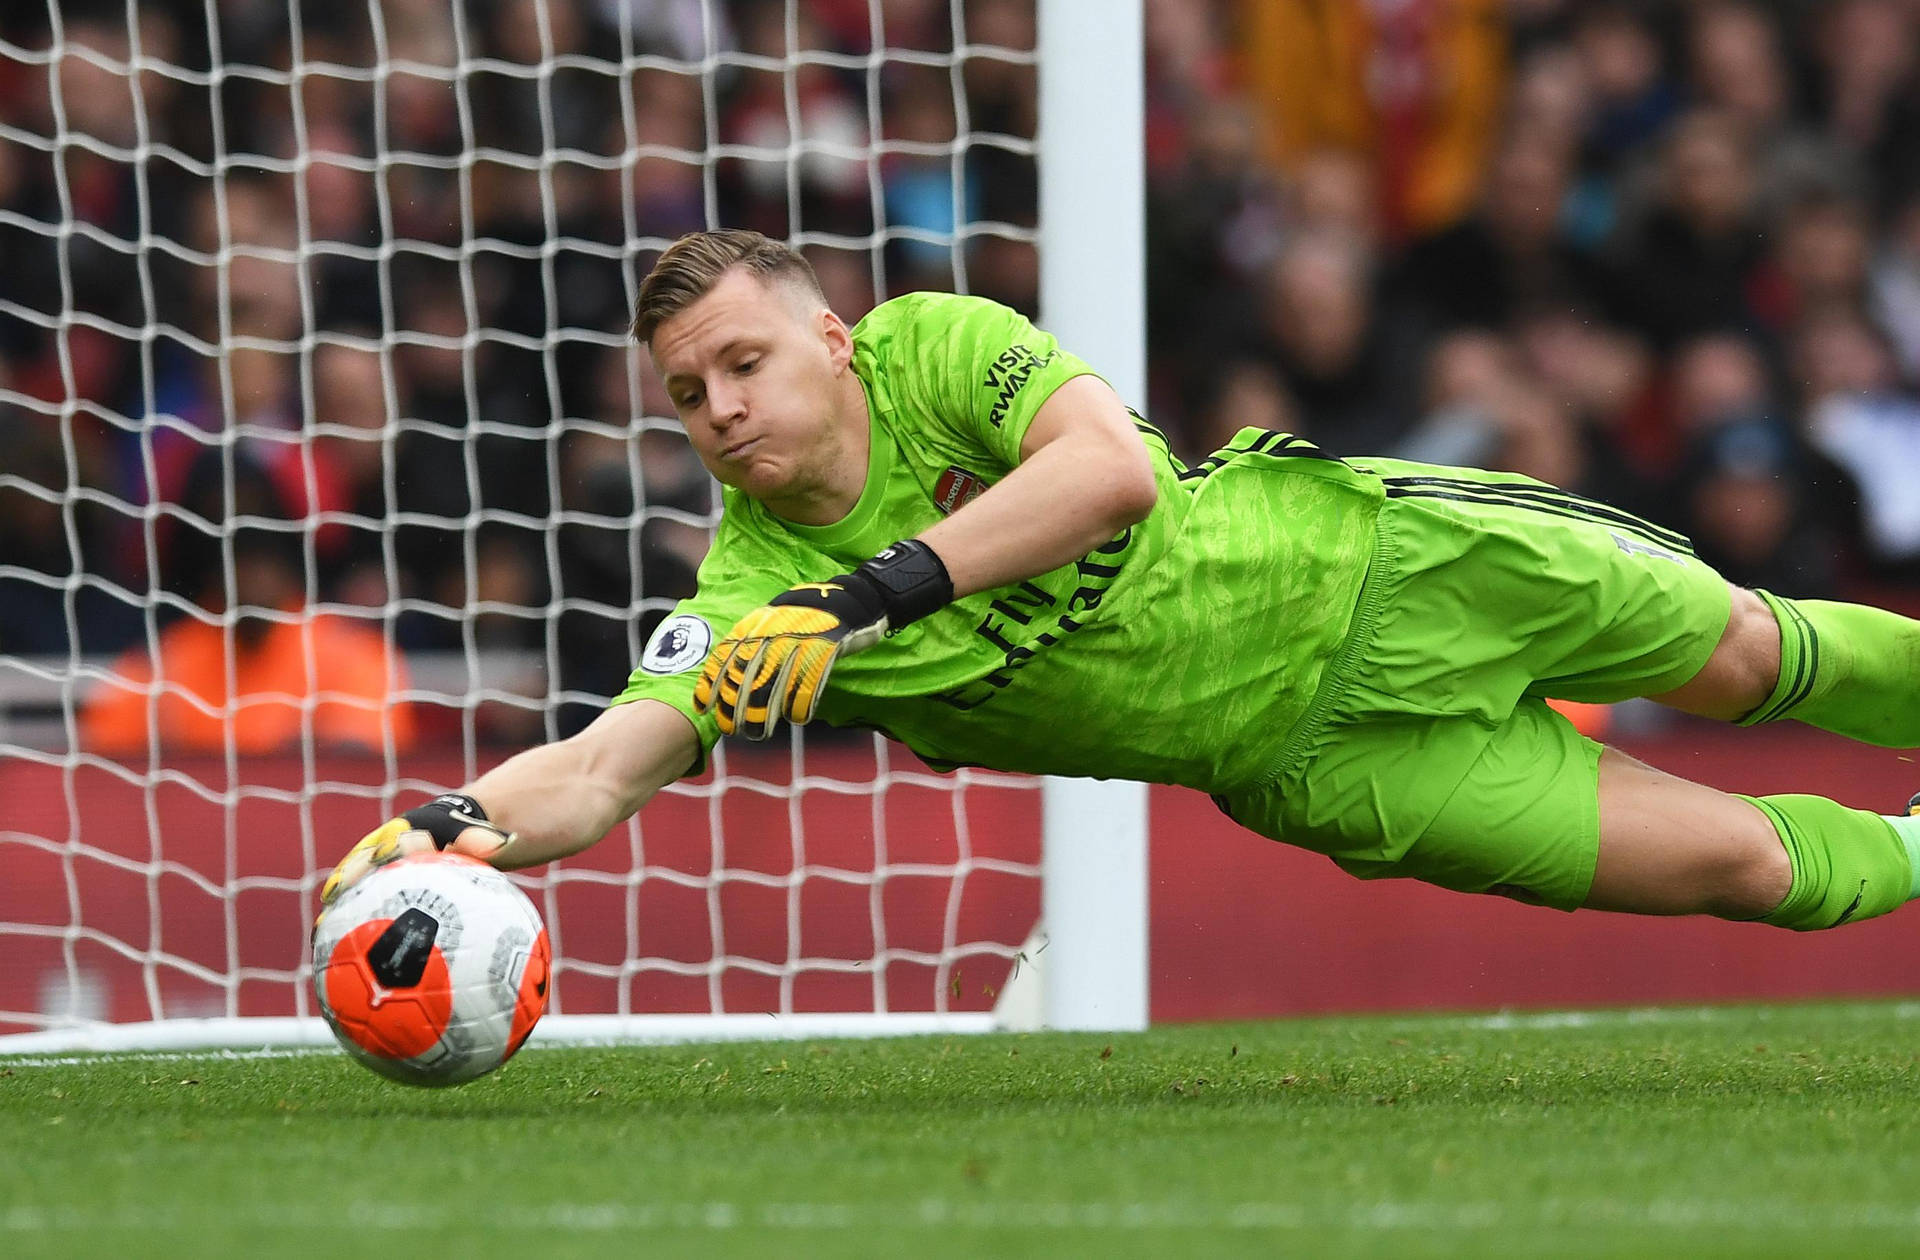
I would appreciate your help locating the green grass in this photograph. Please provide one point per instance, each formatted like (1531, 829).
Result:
(1770, 1130)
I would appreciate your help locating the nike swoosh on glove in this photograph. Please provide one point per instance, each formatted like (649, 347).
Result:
(436, 825)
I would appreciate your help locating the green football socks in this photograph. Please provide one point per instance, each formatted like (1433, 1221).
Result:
(1848, 864)
(1908, 829)
(1848, 669)
(1855, 671)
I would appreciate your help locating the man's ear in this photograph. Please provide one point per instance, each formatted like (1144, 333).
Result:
(839, 341)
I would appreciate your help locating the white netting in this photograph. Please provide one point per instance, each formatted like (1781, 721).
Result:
(314, 388)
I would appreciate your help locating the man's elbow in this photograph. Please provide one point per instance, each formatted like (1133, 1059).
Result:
(1133, 492)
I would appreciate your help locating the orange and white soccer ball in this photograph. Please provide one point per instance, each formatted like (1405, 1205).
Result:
(433, 970)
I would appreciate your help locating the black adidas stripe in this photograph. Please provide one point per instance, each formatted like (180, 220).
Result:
(1212, 463)
(1268, 442)
(1545, 509)
(1540, 499)
(1276, 443)
(1202, 470)
(1553, 494)
(1806, 667)
(1141, 423)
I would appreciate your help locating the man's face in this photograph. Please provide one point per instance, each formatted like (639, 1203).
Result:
(752, 369)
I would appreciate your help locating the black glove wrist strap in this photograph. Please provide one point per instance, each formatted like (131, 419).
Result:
(909, 580)
(446, 816)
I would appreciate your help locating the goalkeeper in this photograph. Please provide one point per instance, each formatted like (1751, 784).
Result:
(942, 526)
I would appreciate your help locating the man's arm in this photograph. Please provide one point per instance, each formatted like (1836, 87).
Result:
(544, 803)
(560, 798)
(1084, 475)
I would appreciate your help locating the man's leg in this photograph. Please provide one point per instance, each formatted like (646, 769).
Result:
(1534, 810)
(1845, 668)
(1744, 667)
(1668, 846)
(1406, 778)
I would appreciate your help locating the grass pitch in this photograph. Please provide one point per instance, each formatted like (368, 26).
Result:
(1766, 1130)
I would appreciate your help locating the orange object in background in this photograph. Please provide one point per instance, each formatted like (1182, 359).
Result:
(352, 677)
(1591, 720)
(1416, 85)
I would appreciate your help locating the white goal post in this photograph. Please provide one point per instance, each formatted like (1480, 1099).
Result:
(830, 888)
(1092, 296)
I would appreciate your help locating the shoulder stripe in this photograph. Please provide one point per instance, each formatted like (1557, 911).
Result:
(1263, 442)
(1141, 423)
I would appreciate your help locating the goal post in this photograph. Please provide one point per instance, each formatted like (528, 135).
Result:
(1092, 296)
(825, 886)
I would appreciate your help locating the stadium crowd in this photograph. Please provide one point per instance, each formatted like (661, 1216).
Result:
(1665, 254)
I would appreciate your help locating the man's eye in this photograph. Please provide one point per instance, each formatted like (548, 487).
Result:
(688, 401)
(746, 366)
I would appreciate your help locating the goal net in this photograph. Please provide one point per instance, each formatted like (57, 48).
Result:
(328, 478)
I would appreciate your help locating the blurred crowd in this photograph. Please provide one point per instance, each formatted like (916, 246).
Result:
(338, 331)
(1665, 254)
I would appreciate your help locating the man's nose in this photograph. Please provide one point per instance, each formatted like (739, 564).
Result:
(727, 402)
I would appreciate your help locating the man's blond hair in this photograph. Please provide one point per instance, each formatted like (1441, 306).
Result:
(695, 263)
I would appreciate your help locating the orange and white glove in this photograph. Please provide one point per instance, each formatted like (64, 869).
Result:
(775, 662)
(449, 821)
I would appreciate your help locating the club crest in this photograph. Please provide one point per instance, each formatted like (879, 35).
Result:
(957, 487)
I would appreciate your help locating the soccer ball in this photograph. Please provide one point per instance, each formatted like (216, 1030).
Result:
(433, 970)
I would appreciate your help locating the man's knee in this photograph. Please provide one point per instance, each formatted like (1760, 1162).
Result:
(1748, 879)
(1744, 667)
(1753, 648)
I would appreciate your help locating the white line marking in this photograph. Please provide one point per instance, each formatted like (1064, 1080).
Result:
(715, 1216)
(1501, 1021)
(164, 1056)
(1547, 1020)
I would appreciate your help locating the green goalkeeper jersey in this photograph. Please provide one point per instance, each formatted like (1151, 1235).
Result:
(1184, 650)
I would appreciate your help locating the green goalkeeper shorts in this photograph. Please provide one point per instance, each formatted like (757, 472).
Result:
(1429, 750)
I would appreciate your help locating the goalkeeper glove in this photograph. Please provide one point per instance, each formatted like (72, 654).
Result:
(775, 662)
(436, 825)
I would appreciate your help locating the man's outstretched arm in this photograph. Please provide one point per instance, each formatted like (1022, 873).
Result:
(559, 798)
(544, 803)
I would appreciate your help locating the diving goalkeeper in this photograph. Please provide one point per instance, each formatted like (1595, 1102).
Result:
(943, 526)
